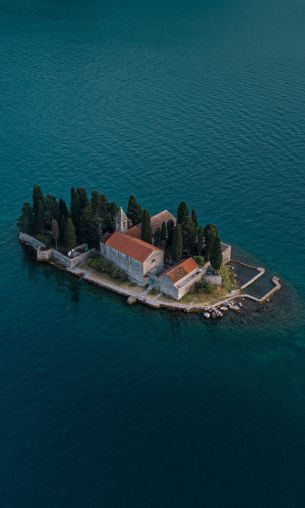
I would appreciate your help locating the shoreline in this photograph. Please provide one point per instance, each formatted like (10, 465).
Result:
(140, 295)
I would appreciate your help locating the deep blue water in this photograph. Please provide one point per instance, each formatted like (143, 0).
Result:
(105, 405)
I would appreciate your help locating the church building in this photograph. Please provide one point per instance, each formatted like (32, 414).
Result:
(135, 257)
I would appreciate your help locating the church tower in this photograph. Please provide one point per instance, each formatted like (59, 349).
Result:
(121, 221)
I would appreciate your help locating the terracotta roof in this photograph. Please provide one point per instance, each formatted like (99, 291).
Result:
(156, 222)
(182, 269)
(133, 247)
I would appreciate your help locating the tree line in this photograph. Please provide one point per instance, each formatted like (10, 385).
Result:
(86, 219)
(186, 238)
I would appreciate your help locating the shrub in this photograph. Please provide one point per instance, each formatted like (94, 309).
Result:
(199, 260)
(204, 287)
(103, 265)
(228, 279)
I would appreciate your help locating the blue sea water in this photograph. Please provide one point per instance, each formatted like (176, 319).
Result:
(105, 405)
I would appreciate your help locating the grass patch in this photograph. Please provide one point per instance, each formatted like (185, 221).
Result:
(228, 278)
(102, 265)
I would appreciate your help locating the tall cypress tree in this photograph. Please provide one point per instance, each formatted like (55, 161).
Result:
(40, 218)
(200, 241)
(210, 232)
(70, 236)
(194, 217)
(170, 230)
(63, 209)
(177, 243)
(146, 233)
(38, 209)
(216, 253)
(157, 238)
(163, 232)
(134, 211)
(37, 198)
(182, 213)
(26, 220)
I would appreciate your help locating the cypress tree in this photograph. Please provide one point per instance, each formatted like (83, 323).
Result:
(216, 253)
(177, 243)
(157, 238)
(37, 198)
(38, 209)
(75, 210)
(51, 209)
(146, 234)
(70, 236)
(26, 220)
(83, 198)
(55, 231)
(170, 230)
(62, 228)
(63, 209)
(200, 241)
(163, 232)
(39, 222)
(89, 227)
(194, 217)
(182, 213)
(210, 232)
(134, 211)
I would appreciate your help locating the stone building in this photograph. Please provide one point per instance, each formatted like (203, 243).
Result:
(121, 221)
(136, 258)
(179, 279)
(156, 222)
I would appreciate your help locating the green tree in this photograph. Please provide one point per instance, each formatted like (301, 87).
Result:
(75, 210)
(216, 253)
(182, 213)
(63, 209)
(55, 231)
(39, 218)
(26, 220)
(170, 230)
(70, 236)
(51, 209)
(177, 243)
(194, 217)
(134, 211)
(200, 241)
(157, 238)
(89, 231)
(37, 198)
(83, 197)
(163, 232)
(146, 234)
(38, 209)
(62, 228)
(210, 232)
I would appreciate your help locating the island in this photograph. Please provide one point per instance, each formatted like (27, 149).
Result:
(164, 261)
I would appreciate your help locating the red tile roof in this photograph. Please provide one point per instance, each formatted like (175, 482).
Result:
(182, 269)
(156, 222)
(133, 247)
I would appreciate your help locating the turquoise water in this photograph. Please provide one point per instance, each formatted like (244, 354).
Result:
(104, 405)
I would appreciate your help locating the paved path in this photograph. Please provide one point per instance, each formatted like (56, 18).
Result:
(142, 295)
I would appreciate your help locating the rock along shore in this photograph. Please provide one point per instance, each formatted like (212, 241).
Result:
(159, 301)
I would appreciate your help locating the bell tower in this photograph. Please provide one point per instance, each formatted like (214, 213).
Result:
(121, 221)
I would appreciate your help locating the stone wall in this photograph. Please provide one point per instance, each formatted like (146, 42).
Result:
(213, 279)
(31, 241)
(226, 252)
(44, 254)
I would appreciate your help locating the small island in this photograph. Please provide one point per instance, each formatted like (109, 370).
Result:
(164, 261)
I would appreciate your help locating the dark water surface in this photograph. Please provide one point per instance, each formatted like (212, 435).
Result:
(102, 405)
